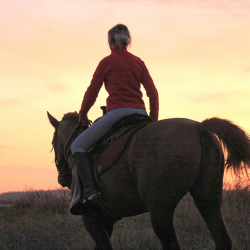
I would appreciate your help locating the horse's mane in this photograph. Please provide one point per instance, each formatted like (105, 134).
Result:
(71, 116)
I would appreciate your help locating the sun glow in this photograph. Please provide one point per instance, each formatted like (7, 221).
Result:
(197, 54)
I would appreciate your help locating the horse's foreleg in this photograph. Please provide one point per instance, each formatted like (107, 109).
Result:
(109, 228)
(99, 233)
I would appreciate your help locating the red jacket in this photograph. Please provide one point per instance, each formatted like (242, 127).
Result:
(122, 73)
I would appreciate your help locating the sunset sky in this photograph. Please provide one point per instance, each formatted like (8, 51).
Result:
(197, 53)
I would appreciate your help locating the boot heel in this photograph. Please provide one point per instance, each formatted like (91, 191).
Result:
(76, 206)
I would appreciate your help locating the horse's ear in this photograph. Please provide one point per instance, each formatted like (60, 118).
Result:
(52, 120)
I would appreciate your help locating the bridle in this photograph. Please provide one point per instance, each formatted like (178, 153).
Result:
(67, 150)
(62, 164)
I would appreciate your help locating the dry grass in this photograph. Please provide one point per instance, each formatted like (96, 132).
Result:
(40, 220)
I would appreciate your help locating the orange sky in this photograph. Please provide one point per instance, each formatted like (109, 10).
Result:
(197, 53)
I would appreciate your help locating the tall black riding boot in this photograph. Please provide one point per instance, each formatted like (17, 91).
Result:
(86, 193)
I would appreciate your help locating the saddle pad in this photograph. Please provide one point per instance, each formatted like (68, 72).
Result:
(113, 152)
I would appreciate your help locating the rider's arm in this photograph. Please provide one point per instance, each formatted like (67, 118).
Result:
(151, 92)
(92, 91)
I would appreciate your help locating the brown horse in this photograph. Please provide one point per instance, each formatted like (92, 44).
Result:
(161, 163)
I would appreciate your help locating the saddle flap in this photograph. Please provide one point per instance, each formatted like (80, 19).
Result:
(108, 150)
(110, 156)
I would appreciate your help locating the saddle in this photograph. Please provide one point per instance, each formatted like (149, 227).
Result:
(109, 148)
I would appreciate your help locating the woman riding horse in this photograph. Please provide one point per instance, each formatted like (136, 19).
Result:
(122, 74)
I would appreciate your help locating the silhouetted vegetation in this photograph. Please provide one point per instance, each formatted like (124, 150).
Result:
(41, 220)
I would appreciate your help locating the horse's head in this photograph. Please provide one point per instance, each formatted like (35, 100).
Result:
(66, 131)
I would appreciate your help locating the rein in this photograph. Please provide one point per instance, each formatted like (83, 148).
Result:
(61, 160)
(76, 132)
(73, 136)
(62, 165)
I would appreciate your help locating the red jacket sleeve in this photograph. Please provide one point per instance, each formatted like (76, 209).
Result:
(92, 91)
(151, 92)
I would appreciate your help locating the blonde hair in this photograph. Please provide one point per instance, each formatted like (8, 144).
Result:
(119, 37)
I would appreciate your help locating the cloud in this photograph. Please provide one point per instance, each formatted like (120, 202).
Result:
(12, 102)
(217, 97)
(20, 100)
(25, 94)
(57, 87)
(212, 97)
(4, 147)
(247, 69)
(45, 82)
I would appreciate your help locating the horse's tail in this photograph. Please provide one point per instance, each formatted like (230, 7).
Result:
(234, 140)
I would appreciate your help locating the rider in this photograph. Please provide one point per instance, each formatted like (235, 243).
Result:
(122, 74)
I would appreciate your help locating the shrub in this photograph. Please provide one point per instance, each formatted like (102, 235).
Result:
(44, 201)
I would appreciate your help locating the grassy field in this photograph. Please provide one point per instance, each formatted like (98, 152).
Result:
(41, 220)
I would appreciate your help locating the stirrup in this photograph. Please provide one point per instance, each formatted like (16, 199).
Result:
(78, 205)
(94, 198)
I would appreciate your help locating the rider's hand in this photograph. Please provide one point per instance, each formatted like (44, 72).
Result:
(84, 121)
